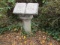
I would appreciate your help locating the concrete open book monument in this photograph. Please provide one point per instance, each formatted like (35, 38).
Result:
(26, 11)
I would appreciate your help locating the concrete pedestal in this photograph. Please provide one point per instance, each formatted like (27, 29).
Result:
(27, 23)
(25, 12)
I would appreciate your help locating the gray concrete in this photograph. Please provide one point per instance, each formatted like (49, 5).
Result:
(32, 8)
(25, 12)
(19, 8)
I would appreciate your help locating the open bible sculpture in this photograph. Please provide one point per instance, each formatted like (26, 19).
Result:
(26, 12)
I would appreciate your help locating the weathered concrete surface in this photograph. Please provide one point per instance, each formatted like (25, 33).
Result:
(19, 8)
(32, 8)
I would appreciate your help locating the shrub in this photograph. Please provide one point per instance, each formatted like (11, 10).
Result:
(6, 18)
(49, 18)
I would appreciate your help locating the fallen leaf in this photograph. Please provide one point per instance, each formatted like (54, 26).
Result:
(31, 43)
(50, 43)
(44, 37)
(24, 37)
(25, 42)
(39, 38)
(42, 42)
(14, 43)
(15, 29)
(21, 43)
(20, 38)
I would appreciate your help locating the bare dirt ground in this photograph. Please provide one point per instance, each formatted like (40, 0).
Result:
(40, 38)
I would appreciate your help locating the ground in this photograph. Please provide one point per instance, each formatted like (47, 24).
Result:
(39, 38)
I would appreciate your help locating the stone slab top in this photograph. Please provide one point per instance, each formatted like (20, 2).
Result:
(32, 8)
(26, 8)
(19, 8)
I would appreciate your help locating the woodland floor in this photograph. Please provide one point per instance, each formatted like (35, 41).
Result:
(40, 38)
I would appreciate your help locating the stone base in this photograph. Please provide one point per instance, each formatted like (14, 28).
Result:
(27, 23)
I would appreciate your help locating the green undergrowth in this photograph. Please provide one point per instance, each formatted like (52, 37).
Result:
(13, 28)
(49, 18)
